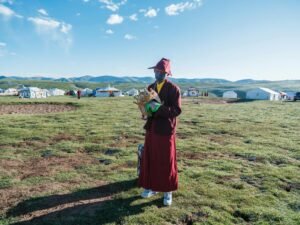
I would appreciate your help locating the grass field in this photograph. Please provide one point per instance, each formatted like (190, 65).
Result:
(238, 163)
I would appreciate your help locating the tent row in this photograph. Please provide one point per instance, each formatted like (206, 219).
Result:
(194, 92)
(9, 91)
(268, 94)
(260, 93)
(113, 92)
(32, 92)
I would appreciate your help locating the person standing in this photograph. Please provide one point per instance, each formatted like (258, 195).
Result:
(158, 172)
(78, 93)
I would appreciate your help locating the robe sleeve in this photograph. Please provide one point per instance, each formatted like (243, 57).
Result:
(174, 108)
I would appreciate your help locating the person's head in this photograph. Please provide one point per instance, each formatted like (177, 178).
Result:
(162, 69)
(159, 75)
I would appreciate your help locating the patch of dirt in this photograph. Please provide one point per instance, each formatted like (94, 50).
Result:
(34, 108)
(125, 141)
(184, 135)
(126, 165)
(202, 155)
(38, 167)
(192, 155)
(35, 145)
(66, 137)
(193, 218)
(44, 166)
(207, 101)
(219, 139)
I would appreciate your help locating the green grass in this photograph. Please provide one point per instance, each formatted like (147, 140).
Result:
(238, 164)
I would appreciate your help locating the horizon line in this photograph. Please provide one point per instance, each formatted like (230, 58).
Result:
(136, 76)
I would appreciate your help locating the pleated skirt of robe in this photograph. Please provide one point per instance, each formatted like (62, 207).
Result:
(158, 170)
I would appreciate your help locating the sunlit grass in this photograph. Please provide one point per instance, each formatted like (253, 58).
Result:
(238, 164)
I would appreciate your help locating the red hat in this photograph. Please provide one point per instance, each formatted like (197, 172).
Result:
(163, 65)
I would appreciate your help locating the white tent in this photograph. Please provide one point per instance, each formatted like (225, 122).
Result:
(107, 92)
(132, 92)
(1, 90)
(11, 91)
(263, 94)
(47, 92)
(32, 92)
(56, 92)
(230, 94)
(86, 92)
(192, 92)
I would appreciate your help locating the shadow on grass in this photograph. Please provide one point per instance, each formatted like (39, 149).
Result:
(90, 206)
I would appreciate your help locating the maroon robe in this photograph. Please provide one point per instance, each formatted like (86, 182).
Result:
(158, 166)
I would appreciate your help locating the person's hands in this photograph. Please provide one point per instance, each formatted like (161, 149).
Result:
(153, 95)
(152, 107)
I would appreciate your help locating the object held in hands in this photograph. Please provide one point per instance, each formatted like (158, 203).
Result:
(152, 106)
(143, 98)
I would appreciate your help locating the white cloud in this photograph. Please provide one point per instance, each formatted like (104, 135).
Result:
(175, 9)
(85, 0)
(48, 24)
(53, 30)
(109, 31)
(2, 44)
(43, 12)
(133, 17)
(114, 19)
(129, 37)
(78, 14)
(44, 23)
(151, 13)
(65, 28)
(7, 12)
(109, 4)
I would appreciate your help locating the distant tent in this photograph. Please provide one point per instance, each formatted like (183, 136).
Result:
(32, 92)
(47, 92)
(192, 92)
(1, 90)
(71, 92)
(86, 92)
(230, 94)
(56, 92)
(290, 95)
(107, 92)
(11, 91)
(132, 92)
(263, 94)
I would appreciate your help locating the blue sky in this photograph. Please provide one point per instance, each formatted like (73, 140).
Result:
(231, 39)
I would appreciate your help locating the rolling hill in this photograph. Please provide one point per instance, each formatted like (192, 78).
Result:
(214, 86)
